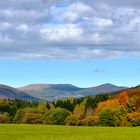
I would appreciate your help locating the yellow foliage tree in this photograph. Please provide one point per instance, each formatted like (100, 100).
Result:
(110, 104)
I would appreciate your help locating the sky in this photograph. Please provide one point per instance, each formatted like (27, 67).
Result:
(81, 42)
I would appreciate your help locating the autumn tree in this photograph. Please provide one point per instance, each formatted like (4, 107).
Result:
(123, 98)
(4, 118)
(28, 115)
(43, 106)
(79, 111)
(119, 116)
(90, 121)
(134, 118)
(71, 120)
(111, 104)
(138, 102)
(33, 118)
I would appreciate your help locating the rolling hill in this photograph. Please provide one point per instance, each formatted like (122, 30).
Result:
(105, 88)
(50, 91)
(58, 91)
(7, 92)
(37, 92)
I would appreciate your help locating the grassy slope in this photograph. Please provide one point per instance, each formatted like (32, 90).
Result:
(42, 132)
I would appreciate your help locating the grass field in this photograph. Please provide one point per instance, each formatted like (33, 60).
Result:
(43, 132)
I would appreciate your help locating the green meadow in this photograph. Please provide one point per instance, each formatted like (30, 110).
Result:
(44, 132)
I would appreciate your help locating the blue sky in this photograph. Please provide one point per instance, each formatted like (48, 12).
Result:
(82, 42)
(83, 73)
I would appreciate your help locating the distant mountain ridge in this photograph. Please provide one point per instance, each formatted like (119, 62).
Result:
(38, 92)
(104, 88)
(7, 92)
(50, 91)
(58, 91)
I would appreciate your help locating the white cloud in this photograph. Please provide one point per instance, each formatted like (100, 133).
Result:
(80, 7)
(103, 22)
(76, 29)
(22, 14)
(61, 33)
(23, 27)
(4, 25)
(71, 13)
(5, 39)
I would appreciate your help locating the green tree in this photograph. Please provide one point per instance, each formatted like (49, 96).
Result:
(28, 115)
(56, 116)
(106, 118)
(119, 116)
(19, 116)
(43, 107)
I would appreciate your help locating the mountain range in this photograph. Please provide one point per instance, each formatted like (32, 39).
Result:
(37, 92)
(7, 92)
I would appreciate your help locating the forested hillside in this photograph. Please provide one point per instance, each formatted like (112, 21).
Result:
(122, 109)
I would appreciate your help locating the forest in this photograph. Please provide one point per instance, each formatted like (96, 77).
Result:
(121, 109)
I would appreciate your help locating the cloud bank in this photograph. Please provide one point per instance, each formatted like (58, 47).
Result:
(69, 29)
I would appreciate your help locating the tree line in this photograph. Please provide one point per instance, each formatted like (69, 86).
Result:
(104, 110)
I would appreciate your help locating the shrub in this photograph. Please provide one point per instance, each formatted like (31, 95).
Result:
(31, 118)
(28, 115)
(134, 118)
(71, 120)
(4, 118)
(19, 116)
(89, 121)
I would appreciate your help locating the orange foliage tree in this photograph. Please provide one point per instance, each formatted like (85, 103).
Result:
(123, 98)
(110, 104)
(138, 102)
